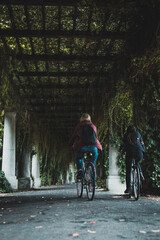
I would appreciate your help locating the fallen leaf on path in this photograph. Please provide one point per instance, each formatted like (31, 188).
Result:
(107, 208)
(18, 239)
(142, 232)
(75, 234)
(122, 220)
(156, 230)
(91, 231)
(39, 227)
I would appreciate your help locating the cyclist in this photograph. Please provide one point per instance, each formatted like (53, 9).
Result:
(134, 147)
(79, 146)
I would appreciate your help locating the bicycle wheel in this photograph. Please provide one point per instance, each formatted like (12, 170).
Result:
(90, 181)
(79, 187)
(131, 182)
(136, 183)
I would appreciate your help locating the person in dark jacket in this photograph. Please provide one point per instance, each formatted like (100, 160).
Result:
(134, 147)
(77, 144)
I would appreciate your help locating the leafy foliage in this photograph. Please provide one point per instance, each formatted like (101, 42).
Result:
(131, 93)
(4, 184)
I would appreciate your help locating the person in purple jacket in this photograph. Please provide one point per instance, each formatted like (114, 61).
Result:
(79, 147)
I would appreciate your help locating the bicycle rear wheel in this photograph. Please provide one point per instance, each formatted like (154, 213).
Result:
(131, 182)
(90, 181)
(79, 184)
(136, 183)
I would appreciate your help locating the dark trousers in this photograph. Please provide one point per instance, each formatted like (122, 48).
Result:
(128, 171)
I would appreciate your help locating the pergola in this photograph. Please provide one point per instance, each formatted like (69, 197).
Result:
(63, 54)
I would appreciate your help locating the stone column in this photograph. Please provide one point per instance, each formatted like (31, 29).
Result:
(9, 149)
(113, 182)
(25, 181)
(67, 177)
(36, 171)
(72, 172)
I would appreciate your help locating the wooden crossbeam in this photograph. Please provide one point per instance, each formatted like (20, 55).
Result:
(58, 86)
(67, 58)
(98, 3)
(61, 105)
(62, 34)
(62, 74)
(40, 2)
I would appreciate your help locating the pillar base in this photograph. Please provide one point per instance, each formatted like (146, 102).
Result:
(25, 183)
(37, 182)
(13, 181)
(114, 185)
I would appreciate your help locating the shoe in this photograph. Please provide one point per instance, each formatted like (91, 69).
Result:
(127, 191)
(79, 174)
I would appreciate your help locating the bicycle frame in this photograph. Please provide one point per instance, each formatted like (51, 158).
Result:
(88, 177)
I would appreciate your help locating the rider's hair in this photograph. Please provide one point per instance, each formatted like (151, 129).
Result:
(85, 117)
(131, 129)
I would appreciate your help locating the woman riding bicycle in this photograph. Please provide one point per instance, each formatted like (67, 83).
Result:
(134, 147)
(78, 143)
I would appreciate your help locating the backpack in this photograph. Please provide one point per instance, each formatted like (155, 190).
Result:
(88, 135)
(133, 139)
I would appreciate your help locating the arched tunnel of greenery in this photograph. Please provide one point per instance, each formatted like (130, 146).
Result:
(61, 58)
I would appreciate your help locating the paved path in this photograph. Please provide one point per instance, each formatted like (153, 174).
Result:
(56, 213)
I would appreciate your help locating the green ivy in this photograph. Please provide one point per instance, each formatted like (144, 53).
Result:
(151, 162)
(5, 186)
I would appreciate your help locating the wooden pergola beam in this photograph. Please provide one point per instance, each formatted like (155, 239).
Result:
(62, 74)
(40, 2)
(65, 58)
(58, 86)
(98, 3)
(62, 34)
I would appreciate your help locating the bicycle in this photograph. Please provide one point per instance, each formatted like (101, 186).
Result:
(135, 180)
(86, 178)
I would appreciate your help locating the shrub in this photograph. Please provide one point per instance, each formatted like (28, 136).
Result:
(5, 186)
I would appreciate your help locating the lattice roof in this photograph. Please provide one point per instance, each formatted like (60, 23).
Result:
(65, 50)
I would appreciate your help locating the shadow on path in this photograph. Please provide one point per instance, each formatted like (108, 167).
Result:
(55, 194)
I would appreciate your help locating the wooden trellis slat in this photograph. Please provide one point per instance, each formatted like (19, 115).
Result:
(63, 74)
(64, 58)
(101, 3)
(57, 86)
(40, 2)
(63, 34)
